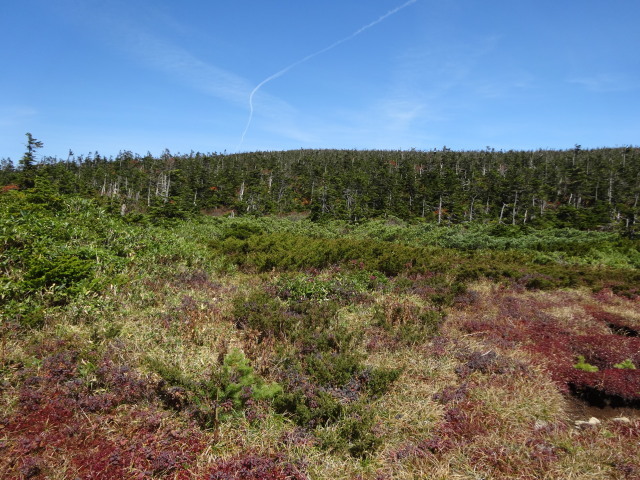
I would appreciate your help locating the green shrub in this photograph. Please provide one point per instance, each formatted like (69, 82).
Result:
(308, 409)
(583, 365)
(240, 231)
(63, 270)
(229, 388)
(379, 380)
(260, 311)
(626, 364)
(353, 434)
(237, 382)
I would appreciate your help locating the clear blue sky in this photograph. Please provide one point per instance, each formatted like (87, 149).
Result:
(145, 75)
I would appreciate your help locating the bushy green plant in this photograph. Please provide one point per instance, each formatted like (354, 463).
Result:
(62, 270)
(308, 409)
(584, 366)
(626, 364)
(329, 368)
(354, 434)
(260, 311)
(230, 387)
(238, 383)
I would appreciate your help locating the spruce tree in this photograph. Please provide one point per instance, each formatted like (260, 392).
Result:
(27, 162)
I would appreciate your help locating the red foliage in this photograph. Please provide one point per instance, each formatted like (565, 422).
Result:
(6, 188)
(69, 425)
(604, 351)
(461, 424)
(617, 323)
(256, 467)
(557, 347)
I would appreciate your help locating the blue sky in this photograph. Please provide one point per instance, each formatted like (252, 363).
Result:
(145, 75)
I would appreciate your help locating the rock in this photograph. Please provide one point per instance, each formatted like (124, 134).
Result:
(540, 425)
(592, 422)
(622, 420)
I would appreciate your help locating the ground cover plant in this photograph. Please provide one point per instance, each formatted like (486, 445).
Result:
(165, 345)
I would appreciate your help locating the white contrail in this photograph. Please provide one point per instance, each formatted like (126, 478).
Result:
(315, 54)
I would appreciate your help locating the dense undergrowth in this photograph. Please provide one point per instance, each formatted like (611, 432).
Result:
(150, 346)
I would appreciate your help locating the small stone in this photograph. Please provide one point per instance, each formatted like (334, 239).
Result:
(622, 420)
(540, 425)
(593, 421)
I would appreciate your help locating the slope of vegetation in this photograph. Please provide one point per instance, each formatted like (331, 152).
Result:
(154, 342)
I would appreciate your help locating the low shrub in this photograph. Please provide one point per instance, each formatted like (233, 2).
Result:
(231, 388)
(584, 366)
(261, 312)
(251, 466)
(353, 434)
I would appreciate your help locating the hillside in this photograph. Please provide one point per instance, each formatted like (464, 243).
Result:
(342, 324)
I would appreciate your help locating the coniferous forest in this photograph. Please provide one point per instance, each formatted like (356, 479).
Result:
(584, 189)
(321, 314)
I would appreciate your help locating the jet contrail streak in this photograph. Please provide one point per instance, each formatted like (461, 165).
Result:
(315, 54)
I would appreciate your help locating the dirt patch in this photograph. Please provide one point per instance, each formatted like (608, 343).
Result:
(582, 410)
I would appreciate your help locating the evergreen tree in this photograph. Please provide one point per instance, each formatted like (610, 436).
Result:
(27, 162)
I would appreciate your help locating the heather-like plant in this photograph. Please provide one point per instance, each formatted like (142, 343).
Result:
(256, 467)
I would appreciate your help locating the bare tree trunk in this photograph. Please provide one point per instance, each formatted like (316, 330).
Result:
(473, 199)
(502, 212)
(241, 193)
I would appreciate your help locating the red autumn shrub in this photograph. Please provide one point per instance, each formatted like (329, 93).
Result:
(6, 188)
(604, 351)
(68, 424)
(256, 467)
(557, 346)
(617, 323)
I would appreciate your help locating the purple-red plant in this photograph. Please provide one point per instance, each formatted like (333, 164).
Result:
(558, 347)
(68, 423)
(256, 467)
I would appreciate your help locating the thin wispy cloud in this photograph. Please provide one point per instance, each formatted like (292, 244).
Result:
(190, 70)
(604, 82)
(313, 55)
(181, 75)
(175, 61)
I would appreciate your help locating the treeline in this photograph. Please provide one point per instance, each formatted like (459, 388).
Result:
(579, 188)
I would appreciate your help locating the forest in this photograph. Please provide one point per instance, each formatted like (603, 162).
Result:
(586, 189)
(320, 314)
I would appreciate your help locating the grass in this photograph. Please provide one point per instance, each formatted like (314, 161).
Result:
(421, 370)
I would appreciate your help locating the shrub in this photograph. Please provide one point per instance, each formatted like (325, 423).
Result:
(63, 270)
(308, 406)
(238, 382)
(584, 366)
(354, 434)
(625, 364)
(256, 467)
(260, 311)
